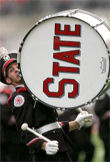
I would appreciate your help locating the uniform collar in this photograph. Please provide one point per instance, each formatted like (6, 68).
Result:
(19, 86)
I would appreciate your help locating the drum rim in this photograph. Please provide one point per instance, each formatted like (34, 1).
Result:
(56, 16)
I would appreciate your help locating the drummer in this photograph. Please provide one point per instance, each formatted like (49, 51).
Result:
(39, 117)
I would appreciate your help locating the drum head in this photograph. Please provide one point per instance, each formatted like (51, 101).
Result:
(64, 62)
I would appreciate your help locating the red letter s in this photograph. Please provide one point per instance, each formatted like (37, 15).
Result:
(60, 92)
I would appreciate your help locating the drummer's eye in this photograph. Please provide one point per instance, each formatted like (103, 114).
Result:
(11, 70)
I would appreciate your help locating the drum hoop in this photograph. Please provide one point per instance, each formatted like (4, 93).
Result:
(56, 16)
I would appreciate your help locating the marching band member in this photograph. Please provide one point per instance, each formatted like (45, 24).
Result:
(38, 116)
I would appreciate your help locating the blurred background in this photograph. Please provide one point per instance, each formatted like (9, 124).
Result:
(16, 19)
(18, 16)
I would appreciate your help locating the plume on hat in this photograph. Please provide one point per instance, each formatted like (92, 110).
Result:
(4, 53)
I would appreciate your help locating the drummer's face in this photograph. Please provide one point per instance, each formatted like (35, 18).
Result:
(13, 75)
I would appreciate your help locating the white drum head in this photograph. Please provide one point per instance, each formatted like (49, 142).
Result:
(64, 62)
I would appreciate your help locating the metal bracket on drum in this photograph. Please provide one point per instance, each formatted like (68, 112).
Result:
(19, 73)
(34, 98)
(88, 103)
(73, 12)
(18, 58)
(97, 25)
(61, 109)
(108, 52)
(43, 19)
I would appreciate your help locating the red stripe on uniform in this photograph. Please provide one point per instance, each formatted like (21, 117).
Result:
(21, 90)
(62, 123)
(6, 64)
(9, 100)
(32, 141)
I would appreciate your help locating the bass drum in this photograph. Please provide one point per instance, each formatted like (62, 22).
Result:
(64, 59)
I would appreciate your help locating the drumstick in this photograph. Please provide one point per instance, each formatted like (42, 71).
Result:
(25, 127)
(80, 110)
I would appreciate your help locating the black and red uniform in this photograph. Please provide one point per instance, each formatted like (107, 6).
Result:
(38, 115)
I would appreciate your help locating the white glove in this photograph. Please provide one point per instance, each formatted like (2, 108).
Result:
(83, 118)
(51, 147)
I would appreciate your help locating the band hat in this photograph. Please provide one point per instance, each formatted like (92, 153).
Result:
(6, 59)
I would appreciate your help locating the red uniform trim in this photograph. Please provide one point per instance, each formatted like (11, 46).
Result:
(62, 124)
(32, 141)
(21, 90)
(9, 100)
(6, 64)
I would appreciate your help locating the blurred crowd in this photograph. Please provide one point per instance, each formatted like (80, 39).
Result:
(80, 140)
(25, 7)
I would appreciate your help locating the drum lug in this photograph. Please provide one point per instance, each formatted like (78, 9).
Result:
(18, 58)
(34, 98)
(109, 52)
(99, 24)
(19, 73)
(73, 12)
(61, 109)
(43, 19)
(88, 102)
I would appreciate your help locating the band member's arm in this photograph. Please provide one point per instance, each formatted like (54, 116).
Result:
(83, 118)
(79, 122)
(21, 107)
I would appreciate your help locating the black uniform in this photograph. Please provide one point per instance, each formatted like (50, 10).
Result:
(80, 139)
(4, 131)
(11, 147)
(101, 107)
(22, 105)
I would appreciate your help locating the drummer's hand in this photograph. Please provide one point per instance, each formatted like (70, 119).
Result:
(83, 118)
(51, 147)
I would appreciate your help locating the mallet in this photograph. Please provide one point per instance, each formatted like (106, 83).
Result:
(25, 127)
